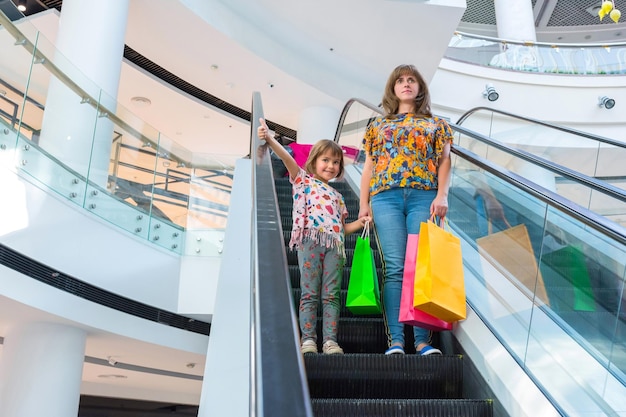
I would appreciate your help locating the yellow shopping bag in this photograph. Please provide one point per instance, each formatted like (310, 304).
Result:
(439, 280)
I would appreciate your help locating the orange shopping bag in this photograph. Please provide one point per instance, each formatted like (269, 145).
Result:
(510, 251)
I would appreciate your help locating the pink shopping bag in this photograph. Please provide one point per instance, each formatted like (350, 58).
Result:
(408, 313)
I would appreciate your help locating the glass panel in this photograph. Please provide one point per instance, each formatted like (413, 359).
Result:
(211, 180)
(352, 131)
(15, 118)
(611, 207)
(609, 166)
(549, 287)
(70, 143)
(78, 141)
(587, 59)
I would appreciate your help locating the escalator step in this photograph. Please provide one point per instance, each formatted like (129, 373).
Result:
(381, 376)
(367, 335)
(351, 407)
(360, 335)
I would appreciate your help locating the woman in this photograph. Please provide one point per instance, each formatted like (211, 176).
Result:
(406, 177)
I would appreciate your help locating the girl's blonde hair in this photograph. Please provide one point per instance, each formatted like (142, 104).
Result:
(320, 148)
(391, 103)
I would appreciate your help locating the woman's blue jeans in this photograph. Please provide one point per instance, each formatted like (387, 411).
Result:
(398, 212)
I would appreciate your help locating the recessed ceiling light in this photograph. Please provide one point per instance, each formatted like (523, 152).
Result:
(113, 376)
(140, 101)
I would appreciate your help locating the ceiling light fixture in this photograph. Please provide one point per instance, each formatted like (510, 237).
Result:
(141, 102)
(606, 102)
(113, 376)
(490, 93)
(21, 5)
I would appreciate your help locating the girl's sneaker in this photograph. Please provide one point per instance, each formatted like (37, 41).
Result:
(308, 346)
(395, 350)
(331, 347)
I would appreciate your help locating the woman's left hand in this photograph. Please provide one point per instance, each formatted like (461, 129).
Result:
(439, 206)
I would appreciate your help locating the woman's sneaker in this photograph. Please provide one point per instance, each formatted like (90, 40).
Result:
(429, 350)
(308, 346)
(331, 347)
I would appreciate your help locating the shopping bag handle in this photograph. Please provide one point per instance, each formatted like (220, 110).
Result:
(442, 220)
(366, 230)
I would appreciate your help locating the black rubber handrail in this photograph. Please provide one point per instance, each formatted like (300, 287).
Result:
(589, 182)
(565, 129)
(278, 377)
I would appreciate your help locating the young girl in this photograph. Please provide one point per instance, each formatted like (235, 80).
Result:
(319, 214)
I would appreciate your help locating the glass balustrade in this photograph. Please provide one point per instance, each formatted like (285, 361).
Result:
(589, 154)
(574, 59)
(67, 135)
(548, 284)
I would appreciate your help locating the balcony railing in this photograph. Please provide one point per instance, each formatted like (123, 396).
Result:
(64, 133)
(539, 57)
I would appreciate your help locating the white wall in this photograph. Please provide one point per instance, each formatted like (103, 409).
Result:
(566, 100)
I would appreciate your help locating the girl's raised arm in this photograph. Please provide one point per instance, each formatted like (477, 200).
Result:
(291, 164)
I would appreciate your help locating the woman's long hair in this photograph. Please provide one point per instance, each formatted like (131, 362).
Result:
(391, 103)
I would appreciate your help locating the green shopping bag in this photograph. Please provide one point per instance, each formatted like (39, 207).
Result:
(567, 266)
(363, 294)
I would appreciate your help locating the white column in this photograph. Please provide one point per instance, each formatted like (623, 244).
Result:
(515, 20)
(317, 123)
(90, 46)
(41, 370)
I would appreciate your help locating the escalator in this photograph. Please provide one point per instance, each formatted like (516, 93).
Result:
(564, 329)
(363, 381)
